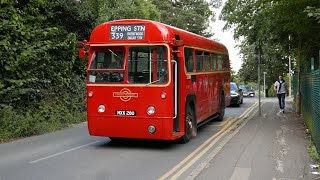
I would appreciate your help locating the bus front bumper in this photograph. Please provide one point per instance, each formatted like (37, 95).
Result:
(131, 127)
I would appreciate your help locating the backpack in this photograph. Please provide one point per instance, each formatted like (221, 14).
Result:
(280, 84)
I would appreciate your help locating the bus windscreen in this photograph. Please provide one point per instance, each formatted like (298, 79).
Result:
(107, 65)
(148, 65)
(144, 65)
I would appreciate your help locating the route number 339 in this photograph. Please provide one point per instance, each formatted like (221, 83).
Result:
(116, 35)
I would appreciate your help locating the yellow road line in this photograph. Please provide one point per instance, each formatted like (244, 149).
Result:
(221, 123)
(187, 166)
(200, 147)
(193, 153)
(224, 122)
(251, 107)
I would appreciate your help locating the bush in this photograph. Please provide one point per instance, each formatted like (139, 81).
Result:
(42, 87)
(312, 150)
(271, 92)
(49, 117)
(54, 112)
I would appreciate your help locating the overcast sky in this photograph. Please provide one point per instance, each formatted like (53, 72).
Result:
(226, 38)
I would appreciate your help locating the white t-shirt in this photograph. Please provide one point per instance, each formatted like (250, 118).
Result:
(281, 89)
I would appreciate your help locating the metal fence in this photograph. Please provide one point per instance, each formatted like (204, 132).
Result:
(310, 102)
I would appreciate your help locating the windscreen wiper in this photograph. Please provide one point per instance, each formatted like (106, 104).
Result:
(154, 82)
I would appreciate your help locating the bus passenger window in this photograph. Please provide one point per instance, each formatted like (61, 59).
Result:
(220, 57)
(207, 61)
(199, 60)
(188, 59)
(214, 61)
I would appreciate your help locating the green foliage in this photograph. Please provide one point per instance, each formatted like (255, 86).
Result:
(313, 12)
(49, 115)
(104, 11)
(42, 86)
(190, 15)
(234, 77)
(47, 118)
(273, 62)
(312, 150)
(283, 28)
(35, 62)
(271, 92)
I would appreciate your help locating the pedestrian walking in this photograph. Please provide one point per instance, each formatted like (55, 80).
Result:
(280, 86)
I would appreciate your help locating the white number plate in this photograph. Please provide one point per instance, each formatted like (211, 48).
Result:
(125, 113)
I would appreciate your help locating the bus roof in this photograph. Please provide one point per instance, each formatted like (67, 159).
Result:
(155, 32)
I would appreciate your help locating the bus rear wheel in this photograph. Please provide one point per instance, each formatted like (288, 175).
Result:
(190, 126)
(222, 107)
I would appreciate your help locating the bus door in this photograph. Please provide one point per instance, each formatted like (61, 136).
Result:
(176, 88)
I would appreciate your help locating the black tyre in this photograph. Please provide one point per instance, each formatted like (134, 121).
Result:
(238, 105)
(190, 126)
(222, 106)
(117, 139)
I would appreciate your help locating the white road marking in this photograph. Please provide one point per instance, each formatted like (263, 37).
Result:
(241, 174)
(57, 154)
(279, 165)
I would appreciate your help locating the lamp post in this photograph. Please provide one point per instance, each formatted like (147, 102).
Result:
(257, 51)
(290, 71)
(264, 84)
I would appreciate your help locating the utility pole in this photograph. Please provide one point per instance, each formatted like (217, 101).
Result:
(264, 84)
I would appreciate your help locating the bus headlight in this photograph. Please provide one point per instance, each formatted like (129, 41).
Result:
(101, 108)
(90, 94)
(151, 110)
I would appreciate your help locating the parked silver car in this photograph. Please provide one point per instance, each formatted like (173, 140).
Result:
(247, 91)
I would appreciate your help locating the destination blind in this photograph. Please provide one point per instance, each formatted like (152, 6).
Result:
(127, 32)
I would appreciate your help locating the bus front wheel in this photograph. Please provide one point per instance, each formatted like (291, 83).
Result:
(190, 125)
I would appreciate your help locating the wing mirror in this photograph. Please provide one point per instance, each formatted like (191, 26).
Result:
(82, 46)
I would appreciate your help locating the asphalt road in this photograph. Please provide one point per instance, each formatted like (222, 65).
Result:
(73, 154)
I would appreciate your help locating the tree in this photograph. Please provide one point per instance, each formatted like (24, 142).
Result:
(37, 53)
(271, 23)
(288, 24)
(108, 10)
(313, 12)
(234, 76)
(191, 15)
(273, 62)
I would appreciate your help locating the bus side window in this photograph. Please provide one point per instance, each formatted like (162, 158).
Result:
(207, 61)
(220, 58)
(225, 62)
(199, 61)
(214, 61)
(188, 59)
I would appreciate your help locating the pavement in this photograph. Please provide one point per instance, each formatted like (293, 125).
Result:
(272, 147)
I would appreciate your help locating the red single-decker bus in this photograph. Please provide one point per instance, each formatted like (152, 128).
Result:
(148, 80)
